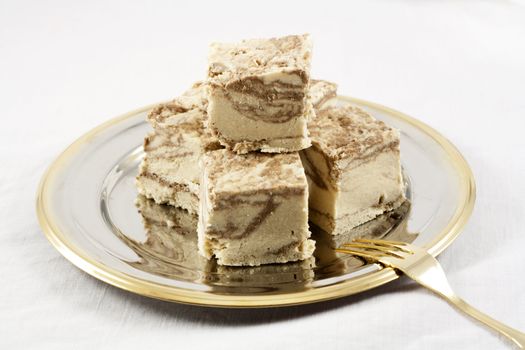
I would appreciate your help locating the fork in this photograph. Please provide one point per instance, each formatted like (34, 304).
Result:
(419, 265)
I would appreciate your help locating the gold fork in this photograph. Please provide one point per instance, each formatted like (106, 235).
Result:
(423, 268)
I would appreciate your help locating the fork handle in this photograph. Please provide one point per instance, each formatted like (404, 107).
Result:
(513, 334)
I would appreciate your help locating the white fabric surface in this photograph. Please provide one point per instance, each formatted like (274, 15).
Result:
(66, 67)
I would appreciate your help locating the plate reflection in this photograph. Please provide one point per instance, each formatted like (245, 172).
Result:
(170, 250)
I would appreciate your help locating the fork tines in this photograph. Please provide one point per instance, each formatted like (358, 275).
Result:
(374, 248)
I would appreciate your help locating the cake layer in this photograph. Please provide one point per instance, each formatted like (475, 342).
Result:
(253, 209)
(258, 93)
(353, 169)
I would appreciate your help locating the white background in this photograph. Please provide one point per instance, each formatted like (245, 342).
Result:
(67, 66)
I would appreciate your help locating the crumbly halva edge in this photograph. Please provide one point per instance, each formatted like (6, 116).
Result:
(349, 132)
(185, 114)
(321, 91)
(251, 167)
(230, 62)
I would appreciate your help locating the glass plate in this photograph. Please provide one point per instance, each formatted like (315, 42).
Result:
(88, 208)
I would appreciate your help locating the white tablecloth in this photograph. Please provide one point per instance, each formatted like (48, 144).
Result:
(66, 67)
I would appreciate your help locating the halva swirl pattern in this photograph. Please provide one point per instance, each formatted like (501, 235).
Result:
(353, 169)
(253, 209)
(258, 94)
(170, 170)
(259, 149)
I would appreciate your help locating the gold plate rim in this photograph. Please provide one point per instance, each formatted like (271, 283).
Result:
(206, 298)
